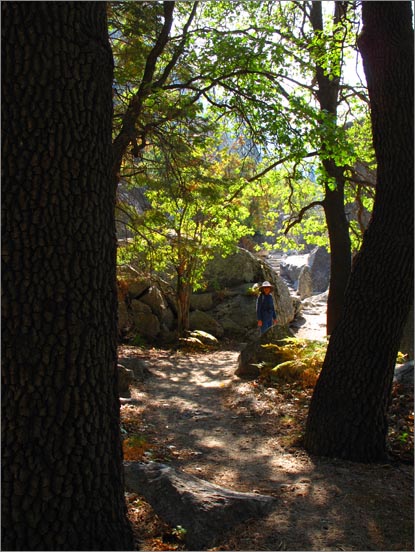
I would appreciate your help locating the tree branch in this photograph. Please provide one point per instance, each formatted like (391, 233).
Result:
(179, 49)
(280, 162)
(127, 133)
(301, 214)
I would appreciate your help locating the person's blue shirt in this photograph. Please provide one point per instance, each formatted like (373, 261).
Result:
(265, 311)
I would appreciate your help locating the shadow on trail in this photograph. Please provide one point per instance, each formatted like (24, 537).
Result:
(323, 504)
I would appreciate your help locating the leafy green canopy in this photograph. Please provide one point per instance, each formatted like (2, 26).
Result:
(253, 71)
(196, 212)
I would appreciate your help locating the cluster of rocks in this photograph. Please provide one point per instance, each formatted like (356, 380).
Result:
(225, 308)
(308, 274)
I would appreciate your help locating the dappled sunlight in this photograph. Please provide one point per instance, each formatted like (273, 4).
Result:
(213, 384)
(242, 435)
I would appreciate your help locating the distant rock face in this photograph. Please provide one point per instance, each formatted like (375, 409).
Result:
(135, 198)
(226, 308)
(318, 264)
(291, 266)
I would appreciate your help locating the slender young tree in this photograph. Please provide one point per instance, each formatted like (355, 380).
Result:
(333, 203)
(62, 477)
(347, 416)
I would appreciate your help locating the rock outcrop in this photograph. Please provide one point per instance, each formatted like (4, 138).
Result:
(308, 273)
(404, 374)
(225, 308)
(206, 511)
(255, 352)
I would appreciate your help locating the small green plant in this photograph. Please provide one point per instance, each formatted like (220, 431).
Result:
(403, 437)
(295, 359)
(137, 441)
(253, 290)
(179, 532)
(135, 447)
(401, 358)
(138, 341)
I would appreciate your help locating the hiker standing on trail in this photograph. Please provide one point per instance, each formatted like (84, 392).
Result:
(265, 309)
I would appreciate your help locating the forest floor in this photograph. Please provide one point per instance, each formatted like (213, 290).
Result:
(196, 415)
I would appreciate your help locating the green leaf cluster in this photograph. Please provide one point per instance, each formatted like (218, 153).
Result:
(196, 209)
(250, 72)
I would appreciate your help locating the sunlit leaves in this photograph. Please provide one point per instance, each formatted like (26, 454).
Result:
(194, 190)
(252, 67)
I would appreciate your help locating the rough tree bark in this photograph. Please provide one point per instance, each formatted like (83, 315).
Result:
(347, 416)
(62, 477)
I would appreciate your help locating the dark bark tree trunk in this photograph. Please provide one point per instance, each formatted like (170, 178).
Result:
(184, 292)
(347, 416)
(62, 477)
(333, 203)
(185, 265)
(340, 246)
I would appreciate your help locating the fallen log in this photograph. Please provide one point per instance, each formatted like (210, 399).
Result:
(206, 511)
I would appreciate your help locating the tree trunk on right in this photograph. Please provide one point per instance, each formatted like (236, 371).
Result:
(347, 416)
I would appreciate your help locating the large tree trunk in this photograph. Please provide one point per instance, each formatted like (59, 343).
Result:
(347, 416)
(62, 477)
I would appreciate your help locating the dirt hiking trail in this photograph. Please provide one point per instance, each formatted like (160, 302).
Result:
(199, 417)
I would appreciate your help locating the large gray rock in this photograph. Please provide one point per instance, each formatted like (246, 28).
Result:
(143, 309)
(201, 301)
(319, 263)
(404, 374)
(137, 288)
(236, 313)
(155, 300)
(305, 283)
(227, 272)
(234, 307)
(205, 510)
(145, 322)
(254, 353)
(199, 320)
